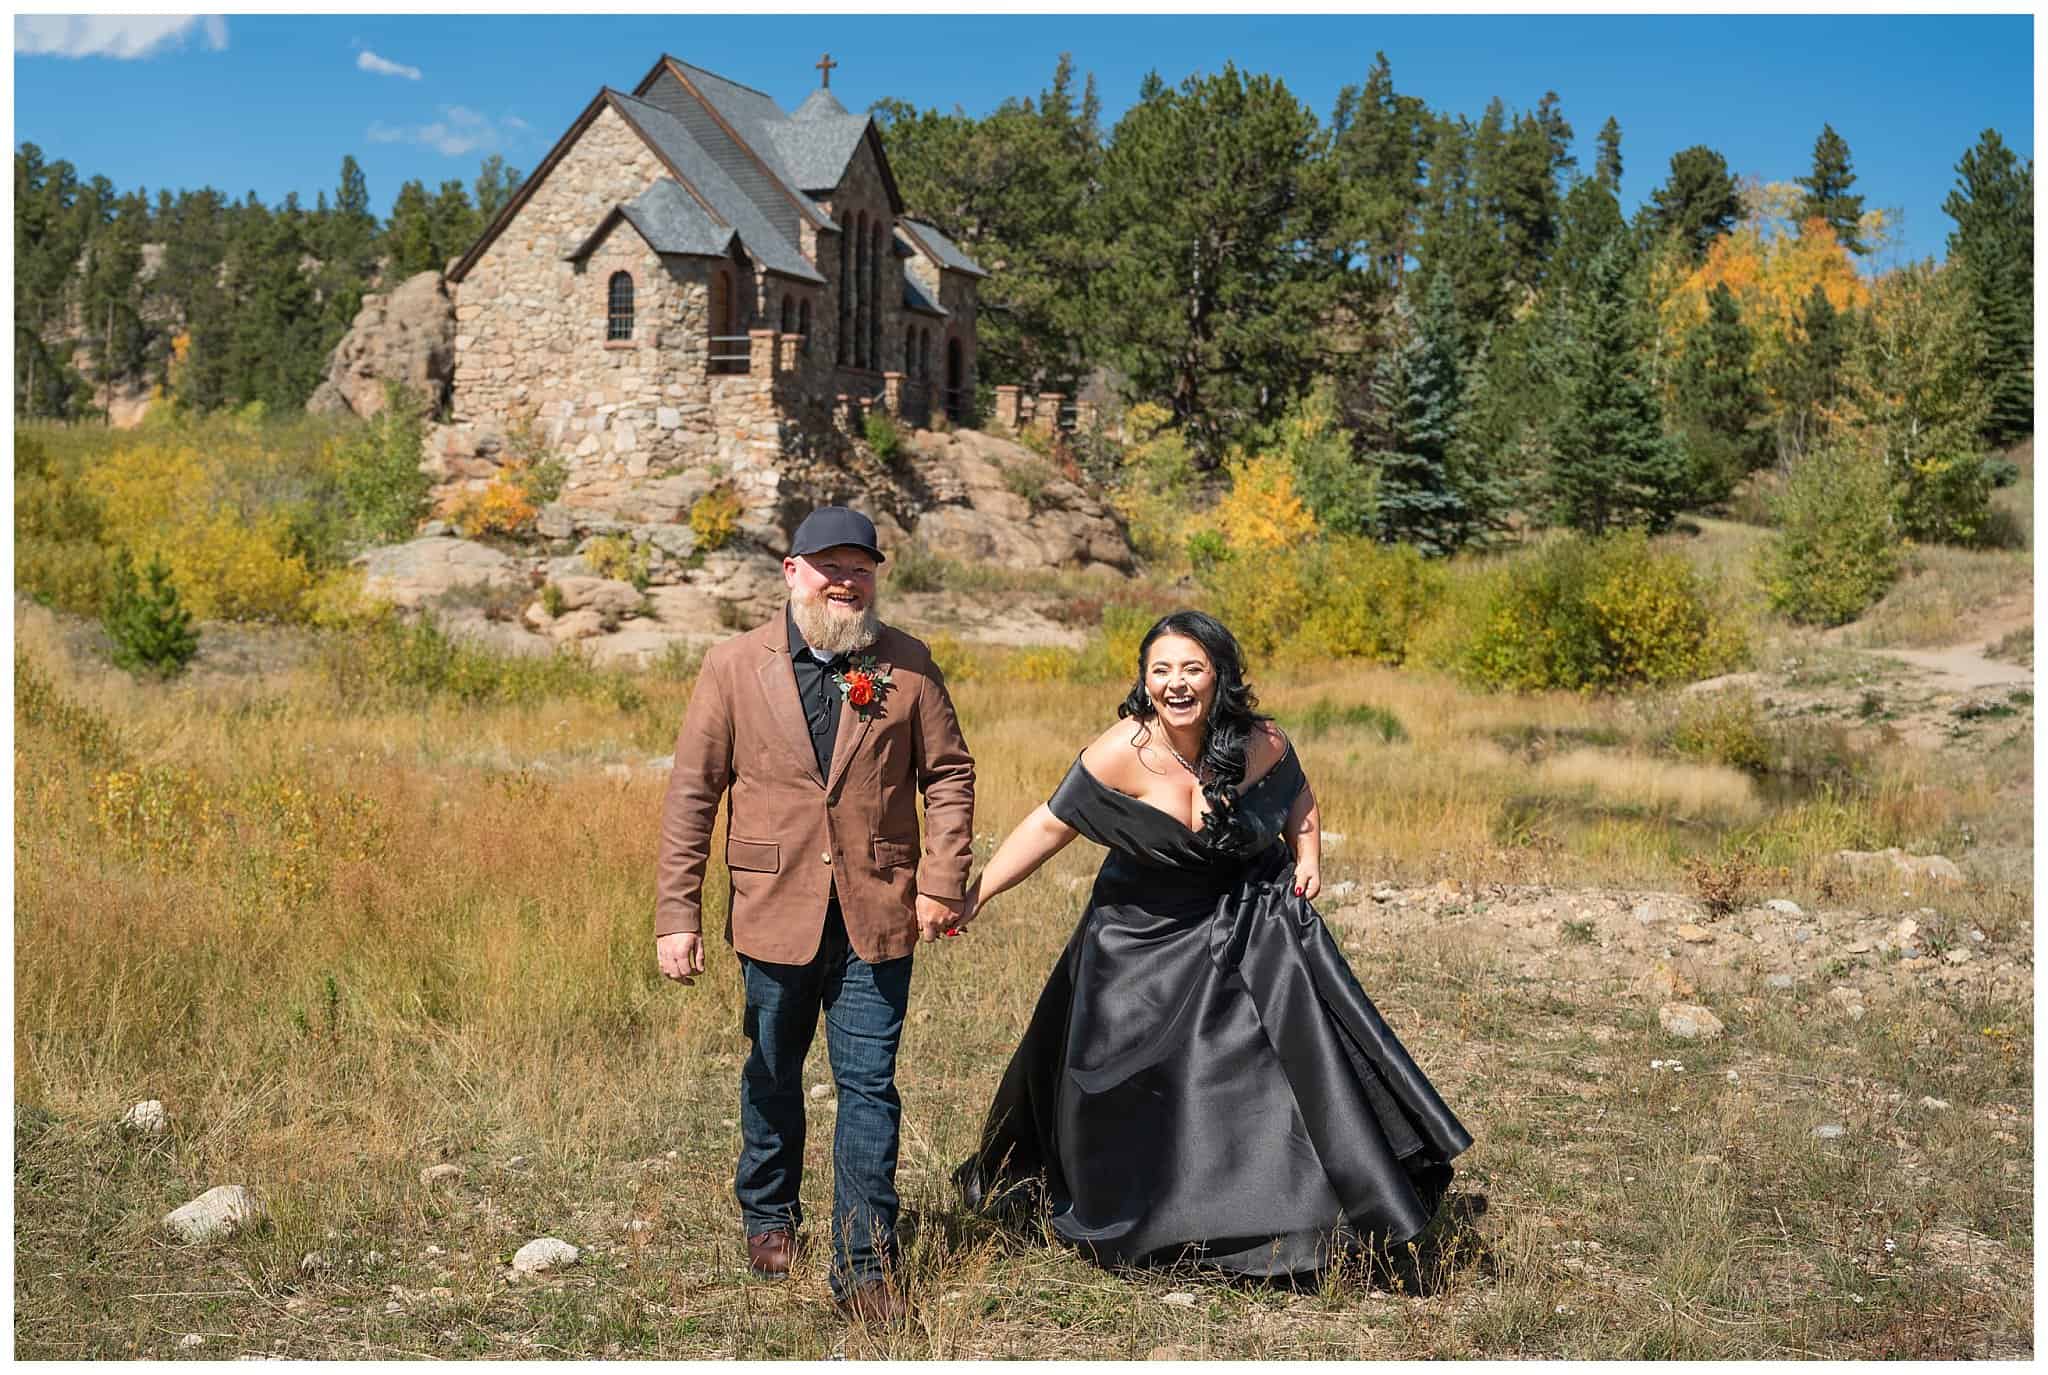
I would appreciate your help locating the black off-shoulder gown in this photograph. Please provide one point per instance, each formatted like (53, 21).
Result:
(1203, 1080)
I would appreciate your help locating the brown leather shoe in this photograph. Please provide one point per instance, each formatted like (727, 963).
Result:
(769, 1253)
(874, 1302)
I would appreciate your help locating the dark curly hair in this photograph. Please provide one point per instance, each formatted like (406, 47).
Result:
(1226, 753)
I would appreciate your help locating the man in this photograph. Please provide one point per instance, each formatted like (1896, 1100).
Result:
(825, 725)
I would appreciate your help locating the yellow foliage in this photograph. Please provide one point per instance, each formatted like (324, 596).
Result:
(165, 497)
(1262, 510)
(1771, 269)
(502, 507)
(715, 517)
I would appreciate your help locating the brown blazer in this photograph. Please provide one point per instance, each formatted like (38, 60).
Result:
(792, 836)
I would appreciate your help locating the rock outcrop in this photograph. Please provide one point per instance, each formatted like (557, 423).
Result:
(995, 501)
(406, 335)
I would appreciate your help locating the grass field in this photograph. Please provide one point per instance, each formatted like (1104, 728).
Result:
(343, 941)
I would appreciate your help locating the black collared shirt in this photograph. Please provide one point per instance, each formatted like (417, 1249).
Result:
(817, 692)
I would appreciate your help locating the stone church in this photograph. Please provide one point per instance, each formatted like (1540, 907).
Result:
(694, 281)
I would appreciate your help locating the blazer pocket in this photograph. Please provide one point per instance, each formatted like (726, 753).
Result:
(758, 856)
(891, 853)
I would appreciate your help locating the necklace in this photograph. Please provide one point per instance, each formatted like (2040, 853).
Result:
(1197, 773)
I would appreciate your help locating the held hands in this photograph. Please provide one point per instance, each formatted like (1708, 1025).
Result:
(938, 917)
(680, 955)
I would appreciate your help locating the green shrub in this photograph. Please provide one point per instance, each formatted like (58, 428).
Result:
(1029, 479)
(1111, 654)
(1723, 728)
(914, 568)
(39, 705)
(1836, 548)
(715, 517)
(1322, 716)
(1946, 500)
(619, 557)
(419, 664)
(1369, 599)
(880, 430)
(152, 633)
(1207, 551)
(378, 468)
(1587, 614)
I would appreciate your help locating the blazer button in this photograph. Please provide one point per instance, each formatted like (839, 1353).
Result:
(827, 856)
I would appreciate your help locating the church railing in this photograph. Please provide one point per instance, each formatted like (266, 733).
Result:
(730, 355)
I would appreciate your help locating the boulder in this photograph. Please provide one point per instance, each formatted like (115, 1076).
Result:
(406, 335)
(420, 571)
(606, 596)
(145, 1118)
(1895, 862)
(543, 1253)
(217, 1213)
(1688, 1022)
(995, 501)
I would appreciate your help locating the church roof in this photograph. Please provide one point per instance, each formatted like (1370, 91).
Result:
(914, 297)
(672, 221)
(740, 166)
(943, 249)
(768, 241)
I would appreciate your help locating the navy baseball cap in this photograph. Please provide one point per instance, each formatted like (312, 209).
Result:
(829, 526)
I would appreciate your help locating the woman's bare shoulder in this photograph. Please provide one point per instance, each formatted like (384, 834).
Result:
(1268, 748)
(1112, 756)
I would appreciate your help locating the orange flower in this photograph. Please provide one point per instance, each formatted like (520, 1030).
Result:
(860, 688)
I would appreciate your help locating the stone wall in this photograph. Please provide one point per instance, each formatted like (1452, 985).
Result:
(646, 423)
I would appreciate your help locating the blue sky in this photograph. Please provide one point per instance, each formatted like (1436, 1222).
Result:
(271, 103)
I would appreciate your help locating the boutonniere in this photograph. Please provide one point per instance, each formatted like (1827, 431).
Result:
(863, 685)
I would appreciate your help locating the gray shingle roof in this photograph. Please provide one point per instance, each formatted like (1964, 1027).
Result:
(945, 250)
(817, 103)
(672, 221)
(816, 151)
(760, 236)
(797, 161)
(915, 299)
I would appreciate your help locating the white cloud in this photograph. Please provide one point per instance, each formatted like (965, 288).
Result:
(383, 66)
(113, 35)
(459, 131)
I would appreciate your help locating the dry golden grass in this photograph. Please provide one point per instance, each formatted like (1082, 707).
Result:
(342, 942)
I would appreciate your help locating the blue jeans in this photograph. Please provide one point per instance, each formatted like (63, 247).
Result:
(863, 1005)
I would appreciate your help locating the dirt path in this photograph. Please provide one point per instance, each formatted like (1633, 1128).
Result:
(1961, 668)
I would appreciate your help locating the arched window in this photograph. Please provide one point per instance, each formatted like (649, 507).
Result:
(788, 315)
(619, 321)
(803, 324)
(845, 296)
(875, 255)
(910, 351)
(722, 345)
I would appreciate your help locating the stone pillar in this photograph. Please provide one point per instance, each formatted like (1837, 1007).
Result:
(1084, 416)
(789, 352)
(892, 393)
(761, 352)
(1046, 414)
(1009, 407)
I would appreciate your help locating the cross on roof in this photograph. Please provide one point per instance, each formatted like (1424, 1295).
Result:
(825, 66)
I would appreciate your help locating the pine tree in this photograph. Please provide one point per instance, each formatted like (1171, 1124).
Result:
(1720, 403)
(1827, 191)
(1612, 465)
(1607, 171)
(1808, 377)
(1993, 241)
(1417, 391)
(152, 632)
(1209, 295)
(1460, 237)
(495, 185)
(1697, 202)
(1379, 141)
(409, 237)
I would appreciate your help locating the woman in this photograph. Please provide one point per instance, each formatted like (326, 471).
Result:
(1203, 1079)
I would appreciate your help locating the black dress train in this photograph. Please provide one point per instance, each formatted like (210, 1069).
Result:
(1203, 1080)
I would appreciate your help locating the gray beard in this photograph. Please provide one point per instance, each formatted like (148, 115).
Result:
(831, 632)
